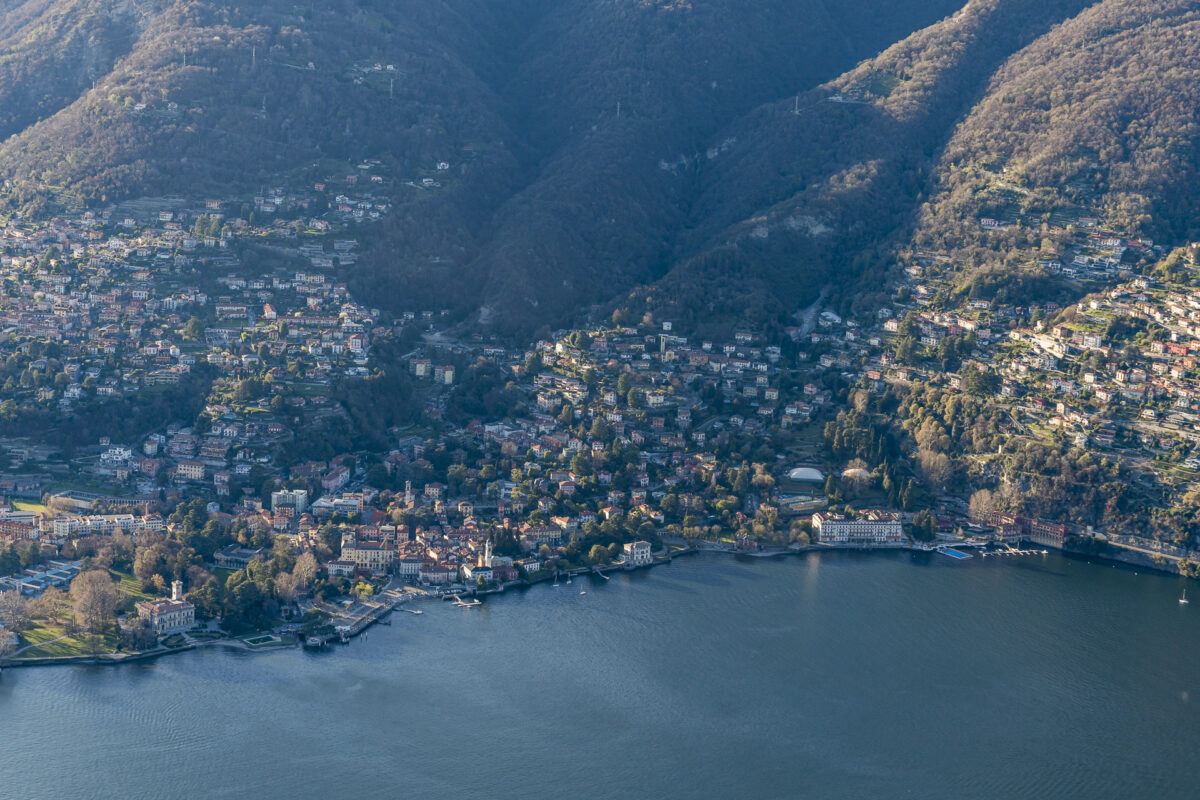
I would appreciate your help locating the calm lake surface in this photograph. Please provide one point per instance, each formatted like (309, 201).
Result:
(829, 676)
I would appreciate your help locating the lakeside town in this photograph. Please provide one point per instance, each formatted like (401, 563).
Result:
(315, 464)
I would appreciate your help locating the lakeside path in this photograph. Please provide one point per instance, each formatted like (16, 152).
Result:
(112, 659)
(33, 645)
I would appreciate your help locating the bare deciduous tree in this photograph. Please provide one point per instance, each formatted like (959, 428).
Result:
(14, 610)
(95, 598)
(936, 468)
(53, 605)
(305, 570)
(982, 504)
(286, 584)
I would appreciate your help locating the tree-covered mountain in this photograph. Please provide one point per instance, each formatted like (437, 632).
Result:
(821, 187)
(211, 97)
(703, 159)
(603, 95)
(50, 52)
(1100, 118)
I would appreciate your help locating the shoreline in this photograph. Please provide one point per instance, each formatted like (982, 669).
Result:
(1115, 554)
(112, 660)
(1131, 559)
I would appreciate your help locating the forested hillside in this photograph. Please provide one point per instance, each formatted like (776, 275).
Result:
(601, 96)
(50, 52)
(555, 115)
(821, 187)
(216, 98)
(1098, 119)
(705, 160)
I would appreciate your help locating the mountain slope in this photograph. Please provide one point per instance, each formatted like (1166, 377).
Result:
(51, 51)
(822, 185)
(561, 199)
(603, 93)
(1098, 119)
(218, 99)
(701, 160)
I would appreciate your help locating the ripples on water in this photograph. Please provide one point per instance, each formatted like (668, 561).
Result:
(834, 675)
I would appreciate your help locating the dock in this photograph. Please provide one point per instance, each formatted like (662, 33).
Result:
(1013, 551)
(376, 613)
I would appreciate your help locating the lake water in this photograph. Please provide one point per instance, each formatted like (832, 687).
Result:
(827, 676)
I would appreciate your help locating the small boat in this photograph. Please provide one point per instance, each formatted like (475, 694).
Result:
(1183, 601)
(583, 592)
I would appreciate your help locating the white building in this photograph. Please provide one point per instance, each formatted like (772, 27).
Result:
(164, 615)
(104, 524)
(877, 528)
(374, 557)
(290, 498)
(474, 574)
(637, 554)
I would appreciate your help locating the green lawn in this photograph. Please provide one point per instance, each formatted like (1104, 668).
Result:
(40, 634)
(129, 585)
(881, 84)
(70, 646)
(25, 505)
(222, 574)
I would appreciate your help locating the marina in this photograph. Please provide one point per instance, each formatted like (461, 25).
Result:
(1013, 551)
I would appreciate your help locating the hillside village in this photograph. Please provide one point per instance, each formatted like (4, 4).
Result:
(607, 445)
(1113, 373)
